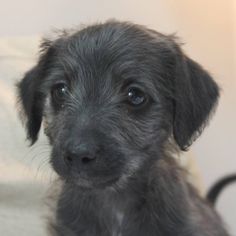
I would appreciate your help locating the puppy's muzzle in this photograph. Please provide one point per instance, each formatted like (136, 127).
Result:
(82, 154)
(81, 151)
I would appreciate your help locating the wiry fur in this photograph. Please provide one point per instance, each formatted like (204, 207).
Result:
(134, 187)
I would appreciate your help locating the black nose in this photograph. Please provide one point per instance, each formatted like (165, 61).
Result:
(80, 154)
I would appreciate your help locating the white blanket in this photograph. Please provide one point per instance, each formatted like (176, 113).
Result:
(23, 171)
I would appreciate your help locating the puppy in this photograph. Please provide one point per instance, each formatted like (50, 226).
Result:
(118, 100)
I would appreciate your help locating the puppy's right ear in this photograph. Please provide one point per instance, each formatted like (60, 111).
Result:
(30, 93)
(31, 100)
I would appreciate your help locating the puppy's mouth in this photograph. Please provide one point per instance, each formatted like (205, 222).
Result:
(99, 173)
(95, 182)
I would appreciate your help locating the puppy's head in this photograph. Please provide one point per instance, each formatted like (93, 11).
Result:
(111, 96)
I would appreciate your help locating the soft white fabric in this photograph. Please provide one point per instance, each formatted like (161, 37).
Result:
(23, 171)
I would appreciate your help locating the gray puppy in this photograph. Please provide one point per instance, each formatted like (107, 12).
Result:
(117, 100)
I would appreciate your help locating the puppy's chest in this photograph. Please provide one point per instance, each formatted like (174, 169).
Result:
(114, 221)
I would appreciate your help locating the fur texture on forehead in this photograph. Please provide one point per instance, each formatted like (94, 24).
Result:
(142, 53)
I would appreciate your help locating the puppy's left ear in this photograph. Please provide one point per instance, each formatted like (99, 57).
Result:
(195, 96)
(32, 101)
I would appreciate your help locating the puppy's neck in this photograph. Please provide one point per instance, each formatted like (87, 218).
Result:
(114, 209)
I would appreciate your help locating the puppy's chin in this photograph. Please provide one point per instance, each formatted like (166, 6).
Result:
(92, 183)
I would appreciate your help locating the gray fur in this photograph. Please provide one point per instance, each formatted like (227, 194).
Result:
(133, 186)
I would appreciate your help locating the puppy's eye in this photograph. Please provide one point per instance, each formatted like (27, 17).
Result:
(58, 93)
(136, 97)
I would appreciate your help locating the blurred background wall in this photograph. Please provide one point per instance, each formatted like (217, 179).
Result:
(208, 29)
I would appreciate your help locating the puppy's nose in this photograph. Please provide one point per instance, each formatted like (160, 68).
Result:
(81, 154)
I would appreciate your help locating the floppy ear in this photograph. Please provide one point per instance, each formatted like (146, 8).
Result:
(195, 96)
(30, 93)
(32, 101)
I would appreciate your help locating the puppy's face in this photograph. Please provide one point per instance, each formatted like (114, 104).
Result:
(111, 95)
